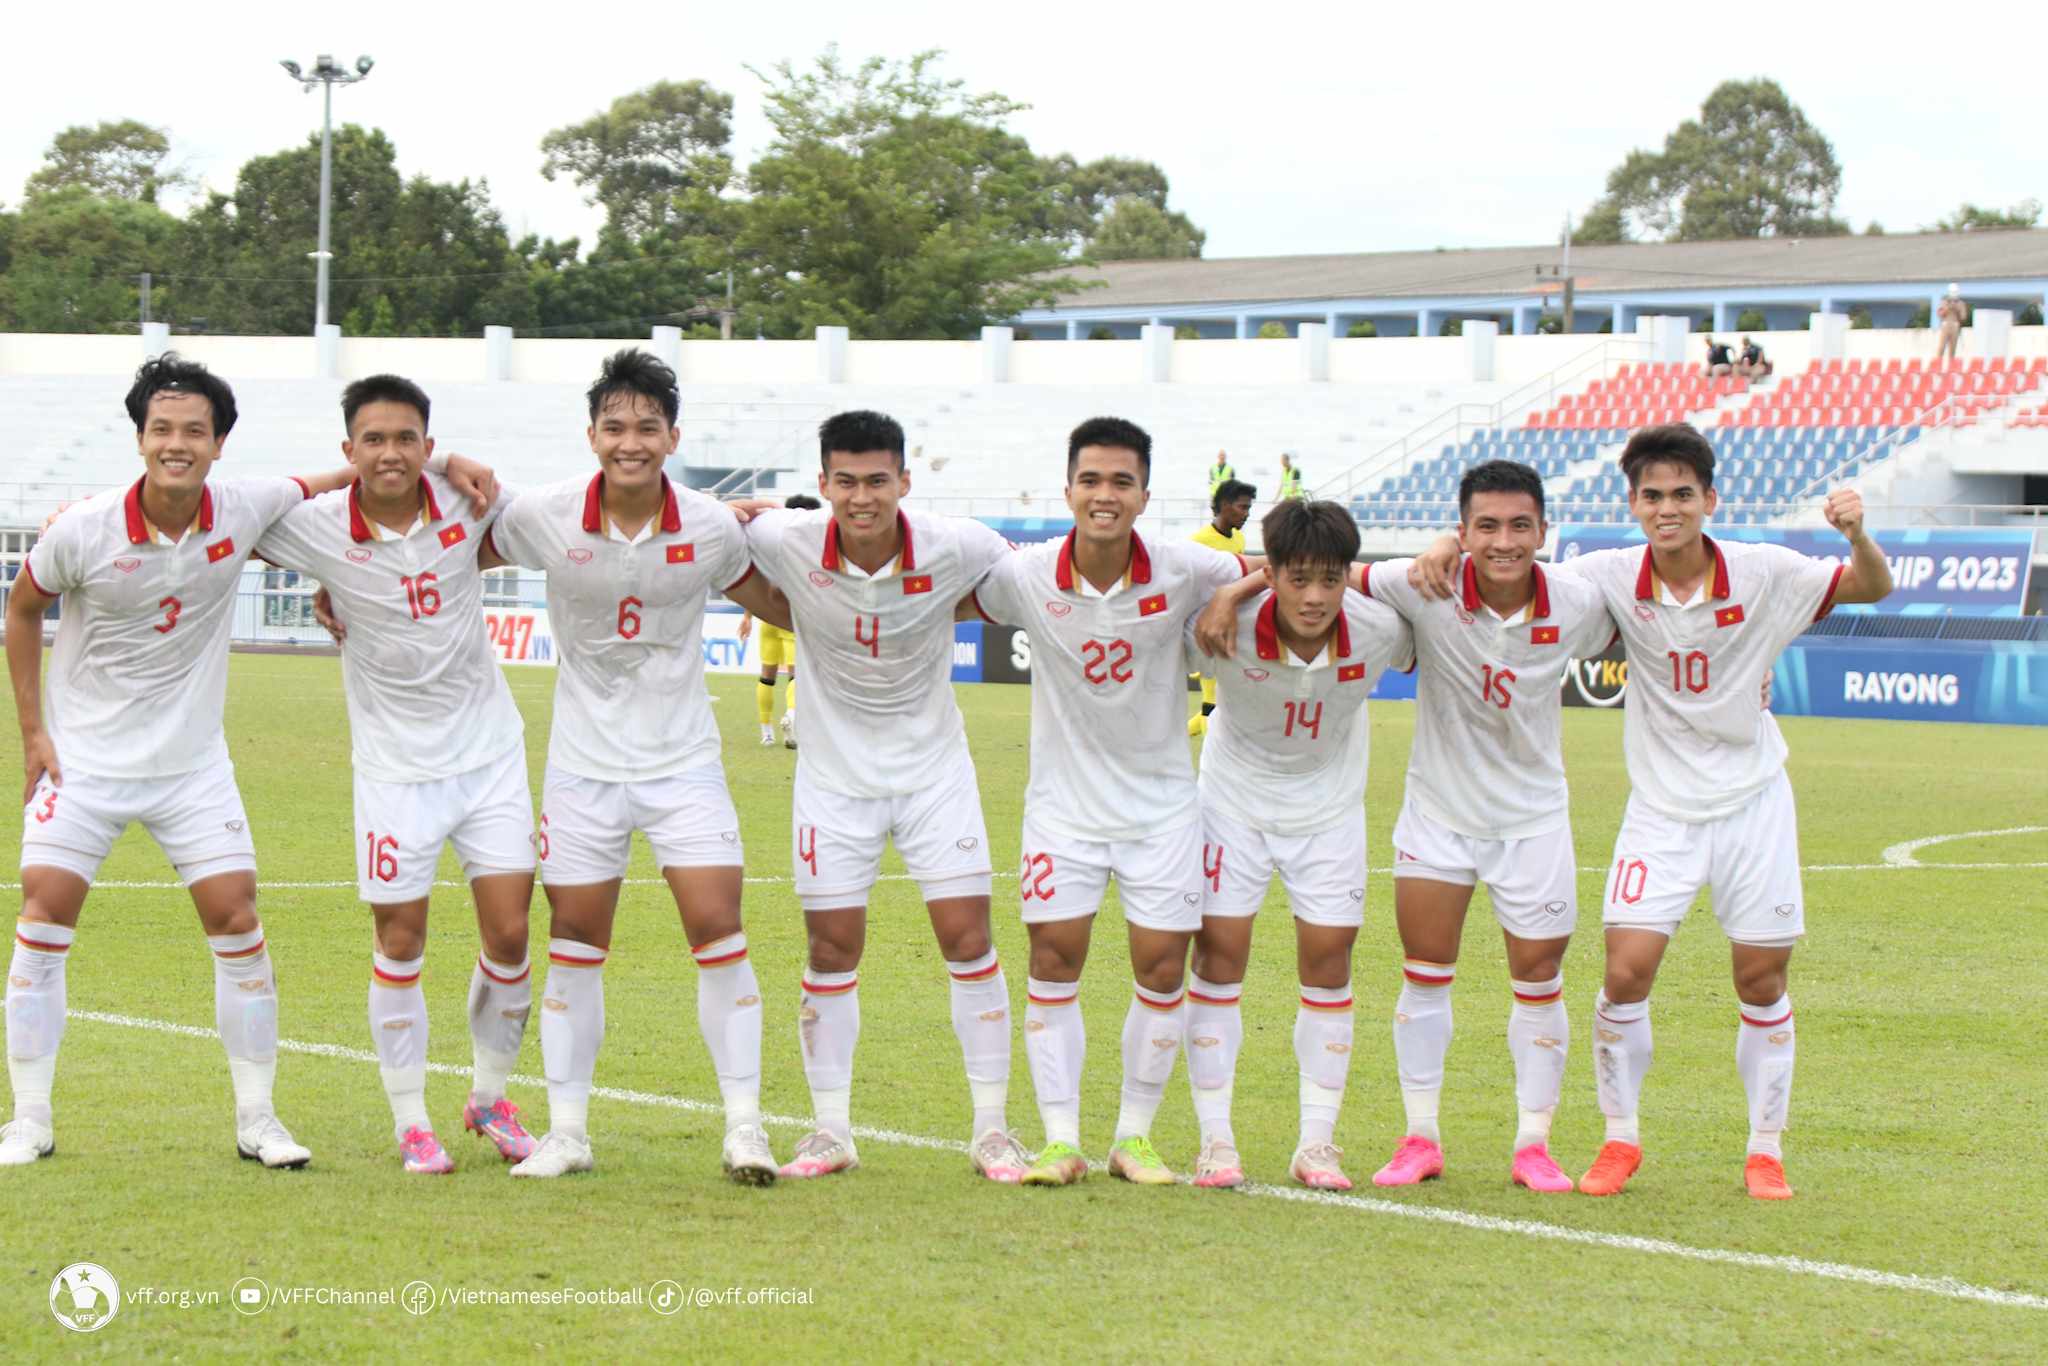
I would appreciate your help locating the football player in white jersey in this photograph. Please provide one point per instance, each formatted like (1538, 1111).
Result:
(437, 746)
(872, 589)
(1112, 789)
(1283, 791)
(630, 562)
(1486, 802)
(1709, 805)
(129, 729)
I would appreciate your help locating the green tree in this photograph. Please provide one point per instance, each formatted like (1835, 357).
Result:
(1274, 331)
(1970, 218)
(1138, 230)
(1115, 208)
(74, 261)
(1364, 327)
(1751, 165)
(122, 160)
(645, 151)
(1751, 320)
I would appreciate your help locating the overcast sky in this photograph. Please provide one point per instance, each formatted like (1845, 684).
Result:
(1284, 128)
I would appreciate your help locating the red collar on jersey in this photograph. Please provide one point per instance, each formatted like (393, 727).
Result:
(1266, 629)
(138, 525)
(905, 563)
(1538, 611)
(359, 526)
(593, 507)
(1139, 572)
(1646, 577)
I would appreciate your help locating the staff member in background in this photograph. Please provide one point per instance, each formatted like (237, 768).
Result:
(1219, 472)
(1952, 315)
(1290, 479)
(1230, 504)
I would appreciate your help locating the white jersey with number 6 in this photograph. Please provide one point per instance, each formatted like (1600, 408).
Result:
(876, 712)
(1109, 754)
(426, 699)
(1698, 741)
(628, 619)
(139, 673)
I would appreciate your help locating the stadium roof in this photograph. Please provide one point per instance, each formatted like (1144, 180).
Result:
(1913, 258)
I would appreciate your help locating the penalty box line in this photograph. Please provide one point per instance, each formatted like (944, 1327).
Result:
(1946, 1287)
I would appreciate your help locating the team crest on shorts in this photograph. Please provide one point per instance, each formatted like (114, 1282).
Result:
(1358, 893)
(358, 555)
(1784, 912)
(1193, 898)
(579, 557)
(1553, 908)
(966, 844)
(235, 826)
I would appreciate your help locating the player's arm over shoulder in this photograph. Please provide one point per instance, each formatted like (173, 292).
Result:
(1389, 630)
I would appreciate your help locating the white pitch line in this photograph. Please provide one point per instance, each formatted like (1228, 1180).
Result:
(1947, 1287)
(1901, 855)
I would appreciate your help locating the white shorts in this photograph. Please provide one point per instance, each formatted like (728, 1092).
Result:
(1159, 878)
(836, 841)
(1324, 873)
(1749, 860)
(587, 825)
(400, 827)
(1534, 880)
(196, 818)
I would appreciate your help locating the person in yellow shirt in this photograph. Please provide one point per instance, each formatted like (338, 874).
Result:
(1230, 506)
(778, 651)
(1290, 478)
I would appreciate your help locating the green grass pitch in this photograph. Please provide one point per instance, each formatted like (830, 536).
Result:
(1920, 1227)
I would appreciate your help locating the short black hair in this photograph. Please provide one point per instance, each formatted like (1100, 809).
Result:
(171, 373)
(802, 502)
(1499, 476)
(1229, 491)
(1676, 443)
(383, 389)
(857, 432)
(1114, 432)
(1310, 534)
(633, 371)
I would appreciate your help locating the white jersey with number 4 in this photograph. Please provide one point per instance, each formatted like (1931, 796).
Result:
(1109, 753)
(876, 712)
(1288, 744)
(1488, 758)
(628, 620)
(1698, 740)
(139, 672)
(426, 699)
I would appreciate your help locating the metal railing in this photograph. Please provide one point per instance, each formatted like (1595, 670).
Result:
(1942, 415)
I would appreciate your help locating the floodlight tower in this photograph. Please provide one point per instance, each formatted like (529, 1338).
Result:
(326, 75)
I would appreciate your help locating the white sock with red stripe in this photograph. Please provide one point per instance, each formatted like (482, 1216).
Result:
(245, 1012)
(500, 998)
(1422, 1036)
(571, 1032)
(729, 1015)
(1322, 1050)
(1055, 1045)
(1153, 1027)
(828, 1027)
(1765, 1045)
(35, 1014)
(1621, 1059)
(1539, 1036)
(398, 1028)
(981, 1021)
(1215, 1037)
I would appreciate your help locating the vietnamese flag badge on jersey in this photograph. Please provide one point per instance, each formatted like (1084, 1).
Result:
(917, 583)
(220, 550)
(1728, 616)
(1152, 606)
(1350, 673)
(682, 554)
(453, 535)
(1543, 635)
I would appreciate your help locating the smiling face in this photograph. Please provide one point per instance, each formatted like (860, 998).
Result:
(1670, 505)
(1502, 533)
(177, 442)
(862, 489)
(389, 447)
(1106, 492)
(632, 439)
(1308, 597)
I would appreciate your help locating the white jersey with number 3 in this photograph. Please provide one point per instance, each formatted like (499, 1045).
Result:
(139, 672)
(1109, 753)
(1698, 740)
(426, 699)
(876, 711)
(1488, 758)
(1288, 746)
(628, 620)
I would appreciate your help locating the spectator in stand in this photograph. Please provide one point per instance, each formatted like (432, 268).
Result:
(1953, 315)
(1219, 472)
(1720, 360)
(1751, 364)
(1290, 478)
